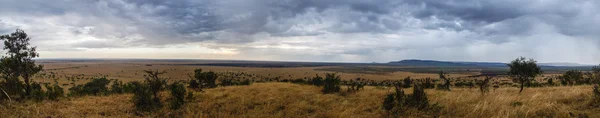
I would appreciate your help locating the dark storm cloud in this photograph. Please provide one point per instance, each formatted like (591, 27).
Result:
(361, 29)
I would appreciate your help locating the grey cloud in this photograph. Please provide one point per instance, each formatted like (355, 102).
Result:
(437, 29)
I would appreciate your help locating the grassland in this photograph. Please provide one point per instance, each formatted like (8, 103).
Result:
(281, 99)
(292, 100)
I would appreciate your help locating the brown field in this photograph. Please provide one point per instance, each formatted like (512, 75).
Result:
(274, 99)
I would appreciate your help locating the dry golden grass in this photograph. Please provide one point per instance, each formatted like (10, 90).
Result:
(293, 100)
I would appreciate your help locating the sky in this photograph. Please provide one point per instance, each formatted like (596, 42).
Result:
(310, 30)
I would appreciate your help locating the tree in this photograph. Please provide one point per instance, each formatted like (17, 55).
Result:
(523, 70)
(18, 61)
(205, 79)
(446, 81)
(155, 82)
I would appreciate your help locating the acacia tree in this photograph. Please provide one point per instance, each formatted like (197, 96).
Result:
(18, 61)
(523, 70)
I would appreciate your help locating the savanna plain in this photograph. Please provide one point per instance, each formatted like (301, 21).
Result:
(251, 89)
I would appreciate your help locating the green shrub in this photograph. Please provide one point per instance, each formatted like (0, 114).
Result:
(418, 99)
(331, 83)
(194, 84)
(428, 83)
(317, 81)
(596, 91)
(13, 87)
(446, 85)
(145, 95)
(550, 82)
(54, 92)
(206, 79)
(399, 100)
(142, 98)
(129, 87)
(36, 92)
(388, 102)
(407, 82)
(95, 87)
(177, 95)
(117, 87)
(484, 85)
(245, 82)
(595, 101)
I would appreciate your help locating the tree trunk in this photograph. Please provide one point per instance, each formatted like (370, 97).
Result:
(522, 83)
(27, 85)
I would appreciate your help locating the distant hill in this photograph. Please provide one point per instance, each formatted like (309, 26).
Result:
(563, 64)
(417, 62)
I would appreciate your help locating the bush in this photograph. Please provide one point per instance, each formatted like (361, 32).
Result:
(54, 92)
(36, 92)
(399, 100)
(177, 95)
(154, 82)
(596, 91)
(117, 87)
(95, 87)
(446, 85)
(128, 87)
(572, 77)
(418, 99)
(484, 85)
(194, 84)
(407, 82)
(428, 83)
(317, 81)
(145, 95)
(550, 82)
(388, 102)
(354, 86)
(142, 98)
(331, 83)
(13, 87)
(206, 79)
(595, 102)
